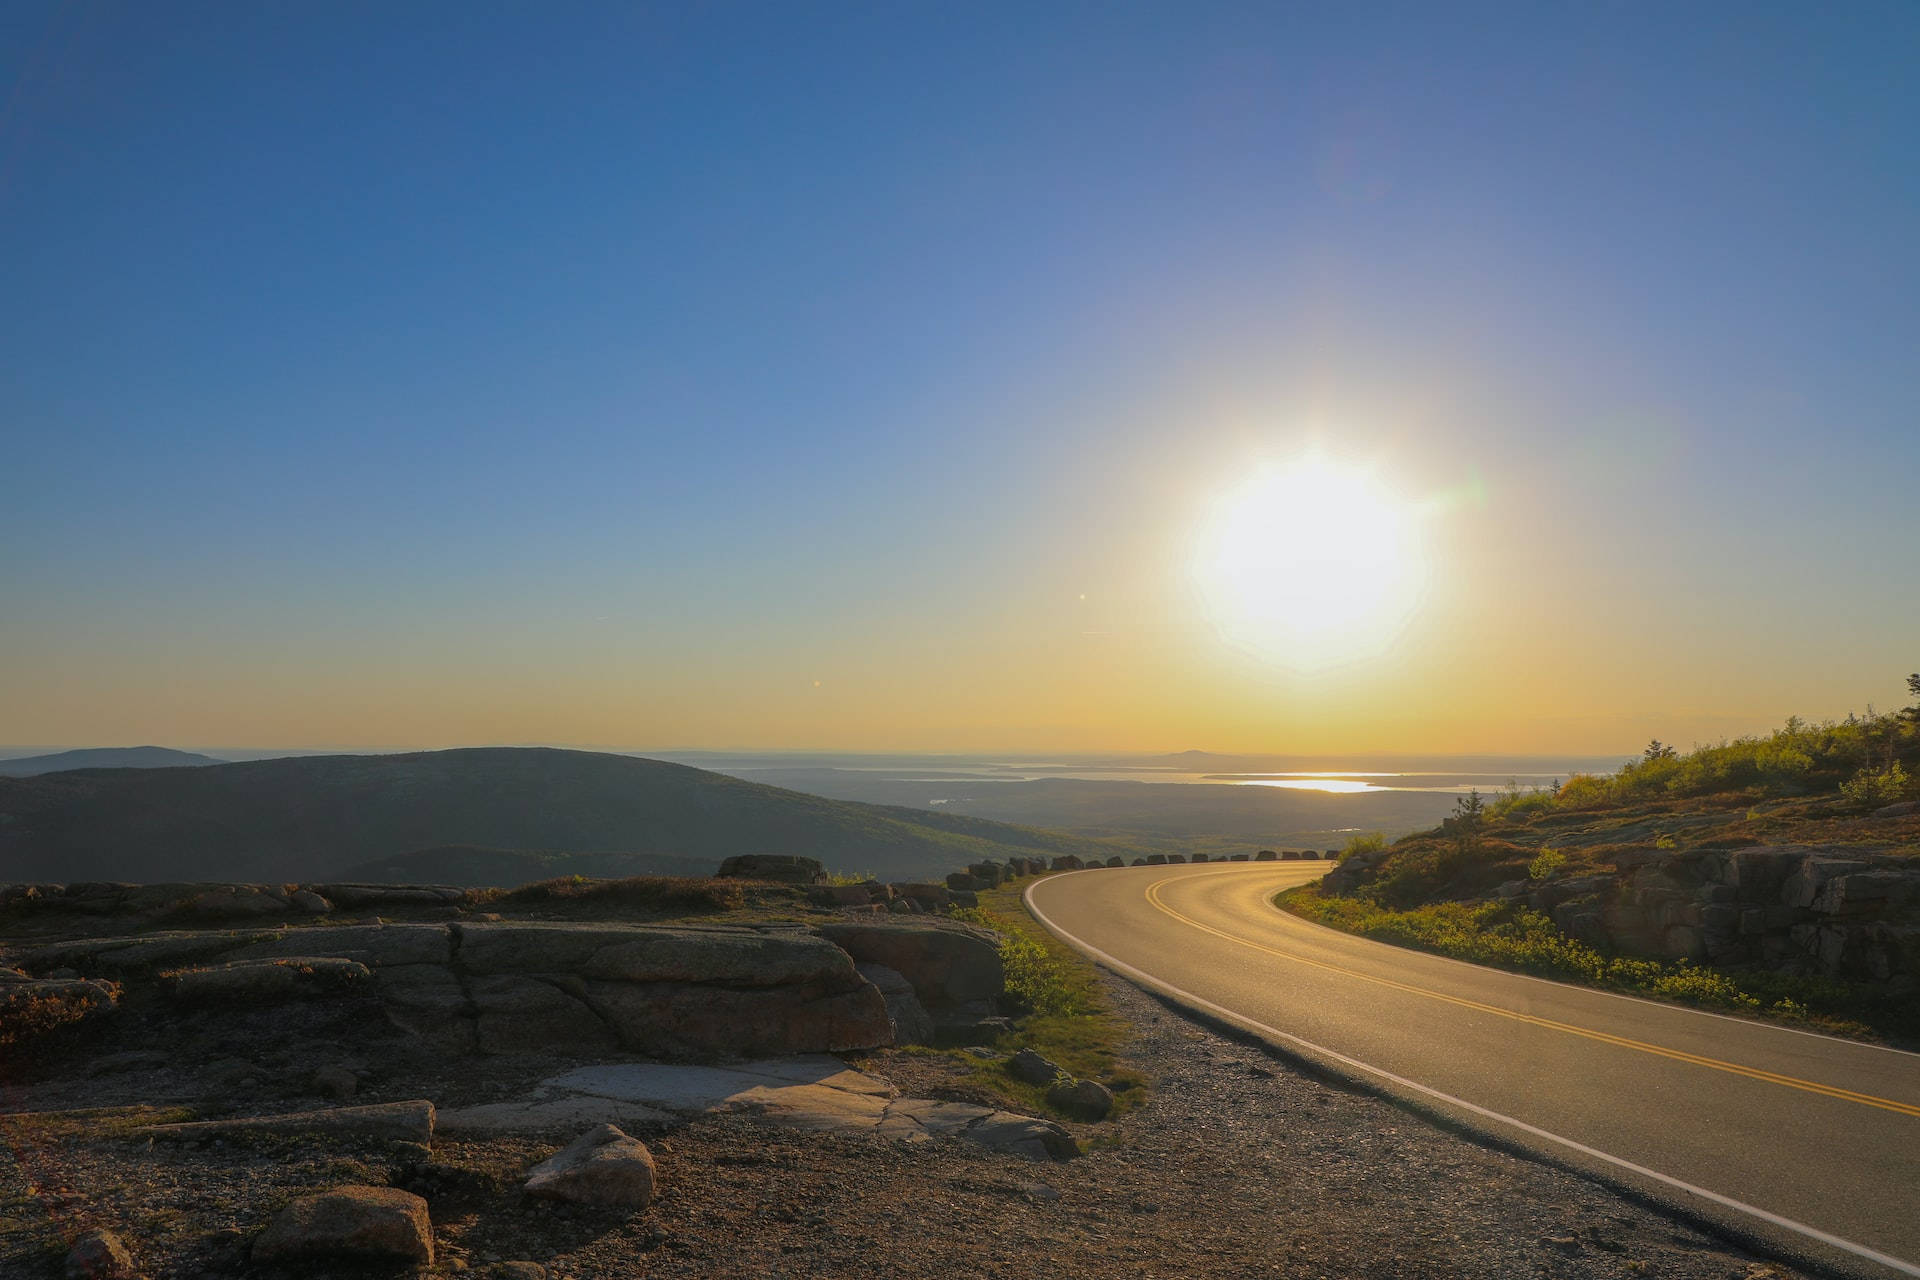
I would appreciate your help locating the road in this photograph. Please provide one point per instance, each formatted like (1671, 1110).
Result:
(1807, 1142)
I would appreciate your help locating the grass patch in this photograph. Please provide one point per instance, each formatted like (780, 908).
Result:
(1509, 935)
(1061, 1012)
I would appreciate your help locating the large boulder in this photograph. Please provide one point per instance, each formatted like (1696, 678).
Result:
(669, 991)
(912, 1024)
(925, 896)
(602, 1167)
(373, 1224)
(948, 963)
(696, 1021)
(781, 868)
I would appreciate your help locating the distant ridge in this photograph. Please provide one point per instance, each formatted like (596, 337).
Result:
(311, 817)
(103, 758)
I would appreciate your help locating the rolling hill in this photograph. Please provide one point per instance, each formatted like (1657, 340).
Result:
(102, 758)
(312, 817)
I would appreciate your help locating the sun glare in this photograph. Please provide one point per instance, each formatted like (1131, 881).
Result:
(1309, 565)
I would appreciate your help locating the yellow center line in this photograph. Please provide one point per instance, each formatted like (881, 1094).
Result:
(1733, 1068)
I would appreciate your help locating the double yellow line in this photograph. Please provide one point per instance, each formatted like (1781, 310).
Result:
(1678, 1055)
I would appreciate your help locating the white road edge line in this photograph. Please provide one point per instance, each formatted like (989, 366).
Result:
(1147, 979)
(1611, 995)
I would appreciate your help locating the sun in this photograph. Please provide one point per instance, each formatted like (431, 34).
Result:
(1309, 564)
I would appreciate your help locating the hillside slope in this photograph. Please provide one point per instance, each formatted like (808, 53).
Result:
(318, 815)
(1777, 874)
(102, 758)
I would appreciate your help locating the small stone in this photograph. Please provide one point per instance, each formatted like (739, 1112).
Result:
(1031, 1068)
(1564, 1243)
(517, 1270)
(335, 1082)
(1081, 1099)
(99, 1255)
(601, 1167)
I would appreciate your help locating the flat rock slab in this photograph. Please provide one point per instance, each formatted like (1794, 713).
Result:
(816, 1092)
(399, 1121)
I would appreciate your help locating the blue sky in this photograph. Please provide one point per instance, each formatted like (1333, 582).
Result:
(427, 374)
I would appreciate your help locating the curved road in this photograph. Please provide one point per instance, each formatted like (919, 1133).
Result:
(1805, 1141)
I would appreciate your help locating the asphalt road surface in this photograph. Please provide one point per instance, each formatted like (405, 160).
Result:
(1808, 1143)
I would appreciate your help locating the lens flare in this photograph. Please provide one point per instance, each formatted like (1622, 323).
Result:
(1310, 565)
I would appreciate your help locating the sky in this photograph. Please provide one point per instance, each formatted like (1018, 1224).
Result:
(875, 377)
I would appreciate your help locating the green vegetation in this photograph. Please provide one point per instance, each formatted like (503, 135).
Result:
(1864, 759)
(1372, 842)
(1508, 935)
(1064, 1014)
(1805, 784)
(1871, 787)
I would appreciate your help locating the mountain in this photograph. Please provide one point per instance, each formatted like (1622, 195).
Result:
(471, 866)
(102, 758)
(313, 817)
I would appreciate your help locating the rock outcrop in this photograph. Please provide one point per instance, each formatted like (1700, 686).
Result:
(818, 1094)
(1812, 910)
(949, 964)
(1808, 909)
(666, 991)
(912, 1024)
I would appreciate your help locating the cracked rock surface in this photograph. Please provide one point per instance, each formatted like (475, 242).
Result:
(816, 1093)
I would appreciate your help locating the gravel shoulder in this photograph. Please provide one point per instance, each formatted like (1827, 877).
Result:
(1238, 1165)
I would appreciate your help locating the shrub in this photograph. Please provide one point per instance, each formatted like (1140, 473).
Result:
(1546, 863)
(29, 1011)
(1582, 790)
(1875, 787)
(1036, 982)
(1515, 937)
(1371, 842)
